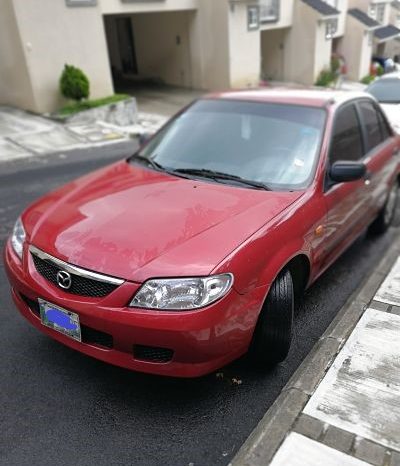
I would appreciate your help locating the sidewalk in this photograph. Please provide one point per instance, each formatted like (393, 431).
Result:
(23, 134)
(342, 406)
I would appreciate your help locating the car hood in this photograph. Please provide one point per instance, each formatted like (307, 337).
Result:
(392, 111)
(135, 223)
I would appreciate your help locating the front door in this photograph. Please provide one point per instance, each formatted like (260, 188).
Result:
(347, 203)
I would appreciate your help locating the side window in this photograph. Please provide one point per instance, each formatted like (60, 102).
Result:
(346, 140)
(371, 122)
(385, 130)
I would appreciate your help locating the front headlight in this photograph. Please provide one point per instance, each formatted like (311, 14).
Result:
(182, 293)
(18, 238)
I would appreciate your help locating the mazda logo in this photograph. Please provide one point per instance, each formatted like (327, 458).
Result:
(64, 280)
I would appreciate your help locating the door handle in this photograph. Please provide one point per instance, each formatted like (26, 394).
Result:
(395, 151)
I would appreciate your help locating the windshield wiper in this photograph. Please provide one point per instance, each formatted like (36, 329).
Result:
(157, 166)
(151, 162)
(216, 175)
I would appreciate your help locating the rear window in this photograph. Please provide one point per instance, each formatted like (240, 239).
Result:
(372, 125)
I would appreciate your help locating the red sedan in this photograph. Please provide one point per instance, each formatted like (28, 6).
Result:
(192, 251)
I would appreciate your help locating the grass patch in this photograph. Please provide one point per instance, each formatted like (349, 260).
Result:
(88, 104)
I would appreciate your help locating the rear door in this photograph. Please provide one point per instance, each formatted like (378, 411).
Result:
(381, 153)
(347, 203)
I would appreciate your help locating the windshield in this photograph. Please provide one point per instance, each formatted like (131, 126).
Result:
(386, 90)
(273, 144)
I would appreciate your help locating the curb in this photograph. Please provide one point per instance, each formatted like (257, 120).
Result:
(266, 438)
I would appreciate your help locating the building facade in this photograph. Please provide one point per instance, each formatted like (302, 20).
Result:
(200, 44)
(368, 33)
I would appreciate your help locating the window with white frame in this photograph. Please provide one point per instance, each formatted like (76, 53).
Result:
(331, 27)
(269, 10)
(253, 18)
(377, 11)
(380, 12)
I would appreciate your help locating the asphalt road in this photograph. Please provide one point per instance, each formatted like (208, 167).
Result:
(59, 407)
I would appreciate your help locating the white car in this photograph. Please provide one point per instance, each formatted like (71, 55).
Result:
(387, 91)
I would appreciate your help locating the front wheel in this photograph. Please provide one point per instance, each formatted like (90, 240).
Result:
(386, 215)
(273, 333)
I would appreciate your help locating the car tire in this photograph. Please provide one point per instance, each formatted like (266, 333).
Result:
(387, 213)
(273, 333)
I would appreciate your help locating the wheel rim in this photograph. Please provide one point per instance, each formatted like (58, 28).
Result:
(390, 205)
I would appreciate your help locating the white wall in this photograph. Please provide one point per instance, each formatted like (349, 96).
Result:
(15, 86)
(355, 49)
(342, 7)
(210, 46)
(323, 50)
(300, 45)
(74, 36)
(245, 50)
(365, 53)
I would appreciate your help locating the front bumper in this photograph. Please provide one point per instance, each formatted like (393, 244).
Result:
(199, 341)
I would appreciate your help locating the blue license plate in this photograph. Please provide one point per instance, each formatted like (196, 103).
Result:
(60, 319)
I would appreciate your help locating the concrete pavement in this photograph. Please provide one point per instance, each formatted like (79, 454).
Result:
(342, 407)
(23, 134)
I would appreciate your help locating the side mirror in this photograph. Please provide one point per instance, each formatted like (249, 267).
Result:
(347, 171)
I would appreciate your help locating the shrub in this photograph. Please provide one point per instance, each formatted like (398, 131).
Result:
(325, 78)
(367, 79)
(74, 84)
(379, 70)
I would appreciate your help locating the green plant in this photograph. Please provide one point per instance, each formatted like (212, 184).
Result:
(379, 70)
(325, 78)
(88, 104)
(367, 79)
(74, 84)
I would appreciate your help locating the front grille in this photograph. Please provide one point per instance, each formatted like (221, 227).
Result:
(80, 285)
(89, 335)
(152, 353)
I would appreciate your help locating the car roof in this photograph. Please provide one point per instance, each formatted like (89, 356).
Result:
(306, 97)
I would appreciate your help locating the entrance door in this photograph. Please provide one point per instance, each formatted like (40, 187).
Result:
(127, 46)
